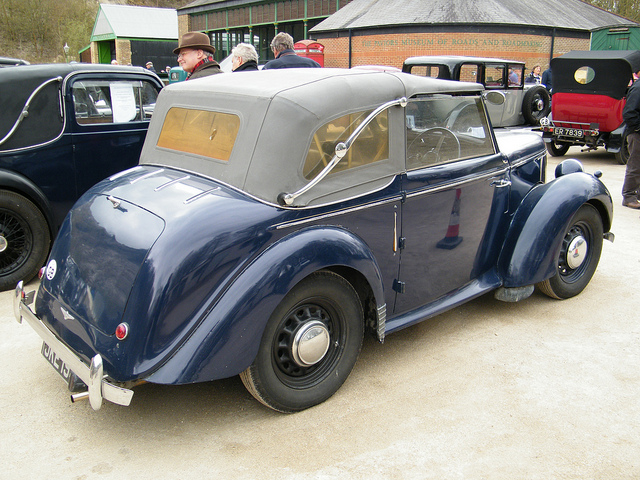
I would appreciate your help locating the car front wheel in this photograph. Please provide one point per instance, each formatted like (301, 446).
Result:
(24, 239)
(579, 255)
(309, 346)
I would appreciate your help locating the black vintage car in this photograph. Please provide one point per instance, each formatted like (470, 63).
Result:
(589, 94)
(63, 128)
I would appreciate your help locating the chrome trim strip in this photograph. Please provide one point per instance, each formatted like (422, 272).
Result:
(124, 172)
(341, 150)
(446, 186)
(200, 195)
(25, 110)
(146, 175)
(295, 223)
(528, 159)
(92, 376)
(382, 322)
(172, 182)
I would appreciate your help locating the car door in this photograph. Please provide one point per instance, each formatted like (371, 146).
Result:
(110, 116)
(456, 191)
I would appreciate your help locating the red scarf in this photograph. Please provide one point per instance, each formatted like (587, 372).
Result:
(208, 59)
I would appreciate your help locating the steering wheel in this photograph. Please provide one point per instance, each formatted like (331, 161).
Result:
(433, 146)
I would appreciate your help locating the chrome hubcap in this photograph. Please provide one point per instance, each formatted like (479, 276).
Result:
(577, 252)
(3, 243)
(310, 343)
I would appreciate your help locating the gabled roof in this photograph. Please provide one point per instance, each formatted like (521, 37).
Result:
(123, 21)
(566, 14)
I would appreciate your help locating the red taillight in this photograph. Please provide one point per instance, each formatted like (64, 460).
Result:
(122, 331)
(41, 272)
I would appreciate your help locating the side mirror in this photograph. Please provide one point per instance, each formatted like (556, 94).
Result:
(495, 98)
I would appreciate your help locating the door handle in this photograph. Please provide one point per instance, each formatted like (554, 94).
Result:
(500, 183)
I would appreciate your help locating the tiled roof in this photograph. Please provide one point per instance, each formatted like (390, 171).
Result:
(565, 14)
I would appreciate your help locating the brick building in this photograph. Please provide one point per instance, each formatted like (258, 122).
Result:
(385, 33)
(229, 22)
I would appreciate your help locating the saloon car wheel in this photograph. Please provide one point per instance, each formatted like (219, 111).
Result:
(309, 346)
(536, 105)
(557, 149)
(24, 239)
(579, 255)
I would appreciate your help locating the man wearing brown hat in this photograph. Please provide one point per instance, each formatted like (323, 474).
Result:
(195, 55)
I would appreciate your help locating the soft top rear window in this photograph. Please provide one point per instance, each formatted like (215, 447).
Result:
(201, 132)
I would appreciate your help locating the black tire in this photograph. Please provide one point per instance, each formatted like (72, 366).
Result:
(575, 270)
(536, 105)
(623, 155)
(278, 378)
(557, 149)
(24, 239)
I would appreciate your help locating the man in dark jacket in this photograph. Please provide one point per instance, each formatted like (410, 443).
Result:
(631, 116)
(195, 55)
(244, 58)
(282, 48)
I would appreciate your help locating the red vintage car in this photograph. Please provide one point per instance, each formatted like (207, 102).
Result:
(589, 89)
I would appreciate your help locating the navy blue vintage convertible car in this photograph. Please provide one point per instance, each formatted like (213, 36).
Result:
(275, 217)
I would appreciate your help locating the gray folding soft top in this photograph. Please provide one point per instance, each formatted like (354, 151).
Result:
(279, 112)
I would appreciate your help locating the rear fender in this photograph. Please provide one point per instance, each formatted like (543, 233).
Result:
(19, 184)
(227, 340)
(616, 138)
(534, 239)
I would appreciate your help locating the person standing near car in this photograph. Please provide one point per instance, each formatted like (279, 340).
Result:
(631, 116)
(286, 57)
(244, 58)
(195, 55)
(547, 80)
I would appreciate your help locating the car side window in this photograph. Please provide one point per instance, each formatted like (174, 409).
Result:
(493, 76)
(371, 146)
(433, 71)
(516, 75)
(469, 73)
(445, 128)
(113, 101)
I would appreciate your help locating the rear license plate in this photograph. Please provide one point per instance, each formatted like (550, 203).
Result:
(569, 132)
(56, 362)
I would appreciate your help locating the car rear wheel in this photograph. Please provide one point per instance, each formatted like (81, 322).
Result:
(536, 105)
(24, 239)
(309, 346)
(557, 149)
(579, 255)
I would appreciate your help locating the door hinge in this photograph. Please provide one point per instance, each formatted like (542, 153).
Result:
(401, 242)
(398, 286)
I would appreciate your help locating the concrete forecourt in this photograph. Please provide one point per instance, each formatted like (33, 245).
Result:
(543, 389)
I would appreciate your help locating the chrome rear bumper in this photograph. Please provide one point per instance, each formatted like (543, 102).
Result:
(92, 375)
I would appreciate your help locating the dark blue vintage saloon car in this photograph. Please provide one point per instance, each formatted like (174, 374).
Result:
(63, 128)
(276, 216)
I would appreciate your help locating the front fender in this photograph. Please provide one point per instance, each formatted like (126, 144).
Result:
(534, 239)
(227, 340)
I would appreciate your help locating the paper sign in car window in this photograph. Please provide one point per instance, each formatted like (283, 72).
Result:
(123, 102)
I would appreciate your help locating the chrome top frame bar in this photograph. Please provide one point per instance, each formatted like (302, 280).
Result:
(340, 151)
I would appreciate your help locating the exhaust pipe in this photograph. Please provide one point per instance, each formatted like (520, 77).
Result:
(76, 397)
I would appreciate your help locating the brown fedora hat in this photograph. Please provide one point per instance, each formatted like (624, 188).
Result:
(195, 40)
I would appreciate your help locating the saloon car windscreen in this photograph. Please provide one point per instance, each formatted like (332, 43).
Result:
(201, 132)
